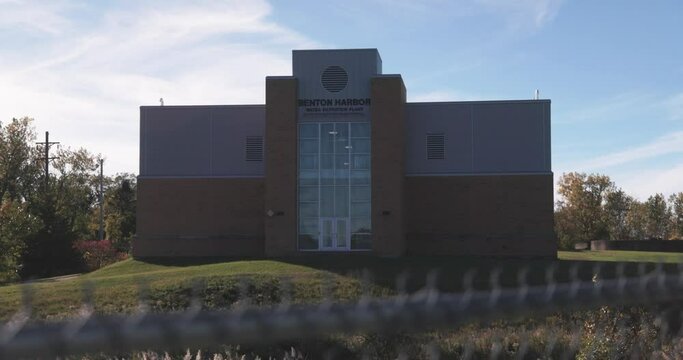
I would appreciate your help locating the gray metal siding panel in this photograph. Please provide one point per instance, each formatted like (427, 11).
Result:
(508, 138)
(199, 140)
(481, 137)
(360, 64)
(143, 137)
(548, 139)
(454, 122)
(231, 126)
(176, 141)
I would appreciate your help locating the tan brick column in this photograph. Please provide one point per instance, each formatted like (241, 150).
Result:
(281, 168)
(388, 147)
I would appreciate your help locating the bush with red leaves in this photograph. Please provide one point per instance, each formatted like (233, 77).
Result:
(98, 253)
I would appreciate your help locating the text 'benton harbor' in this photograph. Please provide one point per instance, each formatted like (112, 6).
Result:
(334, 102)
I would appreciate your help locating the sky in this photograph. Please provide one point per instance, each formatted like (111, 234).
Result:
(613, 69)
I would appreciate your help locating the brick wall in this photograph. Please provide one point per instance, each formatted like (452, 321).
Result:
(199, 217)
(388, 165)
(281, 166)
(502, 215)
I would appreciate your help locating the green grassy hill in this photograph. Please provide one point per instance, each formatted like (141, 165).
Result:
(172, 285)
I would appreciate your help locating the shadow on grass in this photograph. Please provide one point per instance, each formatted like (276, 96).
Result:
(194, 261)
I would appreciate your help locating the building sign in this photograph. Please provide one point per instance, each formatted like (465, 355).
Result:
(333, 106)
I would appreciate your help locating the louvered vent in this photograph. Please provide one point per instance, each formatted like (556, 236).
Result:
(334, 78)
(254, 148)
(436, 146)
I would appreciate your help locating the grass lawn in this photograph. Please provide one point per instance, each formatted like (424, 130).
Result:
(624, 256)
(170, 286)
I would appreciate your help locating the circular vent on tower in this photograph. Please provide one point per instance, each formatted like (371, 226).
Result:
(334, 78)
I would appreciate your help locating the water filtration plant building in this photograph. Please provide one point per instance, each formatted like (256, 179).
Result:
(337, 161)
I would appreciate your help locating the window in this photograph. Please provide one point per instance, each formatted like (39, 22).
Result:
(254, 148)
(436, 147)
(334, 186)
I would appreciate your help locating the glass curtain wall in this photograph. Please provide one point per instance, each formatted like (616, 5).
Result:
(334, 186)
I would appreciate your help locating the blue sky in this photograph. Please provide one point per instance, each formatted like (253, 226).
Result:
(613, 69)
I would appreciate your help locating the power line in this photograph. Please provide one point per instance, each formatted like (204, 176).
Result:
(101, 198)
(46, 144)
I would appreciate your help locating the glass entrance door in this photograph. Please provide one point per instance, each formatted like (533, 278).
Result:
(326, 233)
(342, 229)
(334, 186)
(334, 234)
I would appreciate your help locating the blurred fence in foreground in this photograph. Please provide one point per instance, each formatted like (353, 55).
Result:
(604, 334)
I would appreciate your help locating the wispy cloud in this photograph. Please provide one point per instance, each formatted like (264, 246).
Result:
(620, 107)
(419, 10)
(87, 87)
(609, 109)
(645, 183)
(521, 14)
(42, 17)
(516, 14)
(668, 144)
(636, 170)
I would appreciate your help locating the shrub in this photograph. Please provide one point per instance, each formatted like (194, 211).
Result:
(98, 253)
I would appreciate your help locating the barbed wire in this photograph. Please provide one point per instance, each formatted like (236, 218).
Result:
(425, 310)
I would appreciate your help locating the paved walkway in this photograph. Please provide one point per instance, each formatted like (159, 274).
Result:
(55, 278)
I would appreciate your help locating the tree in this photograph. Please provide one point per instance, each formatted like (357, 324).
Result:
(120, 204)
(42, 219)
(15, 225)
(617, 205)
(18, 175)
(658, 216)
(18, 169)
(63, 207)
(580, 215)
(676, 201)
(636, 221)
(565, 228)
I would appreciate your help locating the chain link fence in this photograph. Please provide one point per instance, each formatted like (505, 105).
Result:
(619, 317)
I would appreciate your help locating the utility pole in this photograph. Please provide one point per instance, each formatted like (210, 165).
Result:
(47, 157)
(101, 199)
